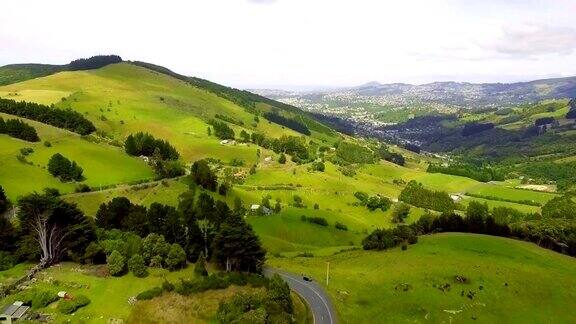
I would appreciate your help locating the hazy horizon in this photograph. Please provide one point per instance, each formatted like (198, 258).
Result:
(281, 44)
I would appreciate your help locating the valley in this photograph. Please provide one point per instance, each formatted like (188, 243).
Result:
(305, 193)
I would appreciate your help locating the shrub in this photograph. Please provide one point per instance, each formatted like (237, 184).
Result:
(318, 166)
(7, 261)
(282, 158)
(176, 258)
(116, 263)
(136, 266)
(70, 306)
(82, 187)
(47, 144)
(341, 226)
(150, 293)
(42, 298)
(200, 266)
(168, 286)
(315, 220)
(400, 213)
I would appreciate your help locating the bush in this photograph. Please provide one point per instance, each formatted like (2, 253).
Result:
(200, 266)
(176, 258)
(150, 293)
(7, 261)
(315, 220)
(70, 306)
(116, 263)
(318, 166)
(42, 298)
(168, 286)
(82, 187)
(341, 226)
(47, 144)
(400, 213)
(136, 266)
(282, 158)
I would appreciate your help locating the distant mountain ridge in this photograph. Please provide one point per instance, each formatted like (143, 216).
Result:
(459, 94)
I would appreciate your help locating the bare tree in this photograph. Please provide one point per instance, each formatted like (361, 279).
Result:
(50, 237)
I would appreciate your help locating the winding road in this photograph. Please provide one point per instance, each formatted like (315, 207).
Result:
(315, 296)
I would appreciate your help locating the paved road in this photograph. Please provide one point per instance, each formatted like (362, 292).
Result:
(317, 299)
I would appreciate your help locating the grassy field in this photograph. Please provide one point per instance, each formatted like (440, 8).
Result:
(285, 232)
(507, 280)
(122, 98)
(109, 295)
(103, 164)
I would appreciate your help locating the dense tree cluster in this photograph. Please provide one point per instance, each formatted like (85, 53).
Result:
(480, 173)
(221, 129)
(475, 128)
(64, 169)
(288, 122)
(198, 226)
(18, 129)
(348, 153)
(62, 118)
(202, 175)
(372, 202)
(274, 306)
(94, 62)
(295, 146)
(415, 194)
(562, 173)
(572, 111)
(560, 207)
(544, 121)
(381, 239)
(229, 119)
(145, 144)
(393, 157)
(4, 203)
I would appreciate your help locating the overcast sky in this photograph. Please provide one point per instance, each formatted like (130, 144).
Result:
(288, 43)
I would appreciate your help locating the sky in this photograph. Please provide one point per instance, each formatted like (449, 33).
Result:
(304, 43)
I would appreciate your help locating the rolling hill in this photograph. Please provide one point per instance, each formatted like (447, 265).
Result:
(319, 218)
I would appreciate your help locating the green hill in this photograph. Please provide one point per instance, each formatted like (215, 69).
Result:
(455, 277)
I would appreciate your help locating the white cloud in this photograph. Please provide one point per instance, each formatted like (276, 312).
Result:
(535, 40)
(301, 42)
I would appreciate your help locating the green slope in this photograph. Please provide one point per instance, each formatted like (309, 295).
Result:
(103, 164)
(21, 72)
(511, 282)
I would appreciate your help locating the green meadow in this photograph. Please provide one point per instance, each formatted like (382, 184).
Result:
(103, 164)
(447, 278)
(121, 99)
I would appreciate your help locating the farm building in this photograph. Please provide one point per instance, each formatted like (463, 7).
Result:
(14, 312)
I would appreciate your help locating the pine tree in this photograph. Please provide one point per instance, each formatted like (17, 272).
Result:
(237, 248)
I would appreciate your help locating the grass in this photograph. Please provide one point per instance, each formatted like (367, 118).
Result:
(103, 164)
(521, 283)
(122, 98)
(174, 308)
(109, 295)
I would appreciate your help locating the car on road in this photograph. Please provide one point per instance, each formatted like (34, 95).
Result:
(305, 278)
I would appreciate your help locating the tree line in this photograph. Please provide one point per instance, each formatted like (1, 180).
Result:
(49, 230)
(64, 169)
(416, 195)
(287, 122)
(62, 118)
(554, 229)
(94, 62)
(18, 129)
(482, 173)
(163, 157)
